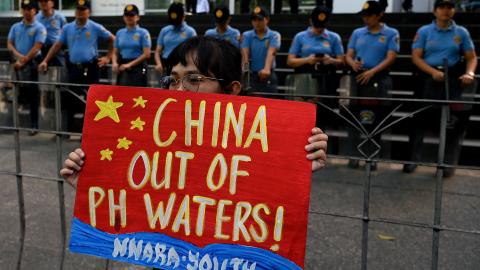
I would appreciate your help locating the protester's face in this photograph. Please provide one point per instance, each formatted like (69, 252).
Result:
(46, 5)
(444, 13)
(371, 20)
(82, 13)
(131, 20)
(259, 24)
(179, 71)
(28, 13)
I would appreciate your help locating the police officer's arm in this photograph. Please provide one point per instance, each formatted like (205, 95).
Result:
(245, 46)
(267, 69)
(471, 58)
(106, 59)
(158, 61)
(11, 48)
(365, 77)
(295, 49)
(32, 53)
(140, 59)
(350, 60)
(115, 60)
(417, 59)
(51, 53)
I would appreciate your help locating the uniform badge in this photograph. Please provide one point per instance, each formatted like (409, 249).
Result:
(88, 35)
(219, 13)
(129, 8)
(81, 2)
(173, 16)
(367, 117)
(382, 39)
(31, 33)
(457, 39)
(136, 37)
(53, 23)
(183, 34)
(322, 16)
(147, 37)
(267, 43)
(326, 44)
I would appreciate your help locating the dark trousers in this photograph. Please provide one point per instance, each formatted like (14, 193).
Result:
(327, 3)
(134, 76)
(245, 6)
(191, 6)
(268, 86)
(29, 93)
(57, 61)
(368, 112)
(407, 5)
(459, 115)
(86, 73)
(293, 6)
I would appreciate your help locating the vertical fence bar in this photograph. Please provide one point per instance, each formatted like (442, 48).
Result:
(439, 181)
(366, 214)
(60, 184)
(19, 178)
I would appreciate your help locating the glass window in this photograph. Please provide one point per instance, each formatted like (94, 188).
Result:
(68, 4)
(157, 4)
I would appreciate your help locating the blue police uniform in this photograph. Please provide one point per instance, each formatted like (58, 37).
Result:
(54, 25)
(372, 48)
(82, 42)
(259, 47)
(24, 37)
(171, 36)
(307, 43)
(438, 44)
(130, 44)
(231, 35)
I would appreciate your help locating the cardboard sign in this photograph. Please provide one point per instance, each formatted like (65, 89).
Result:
(179, 180)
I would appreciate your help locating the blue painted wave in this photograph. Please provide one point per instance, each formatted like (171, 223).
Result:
(164, 252)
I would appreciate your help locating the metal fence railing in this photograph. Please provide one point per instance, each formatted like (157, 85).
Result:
(436, 226)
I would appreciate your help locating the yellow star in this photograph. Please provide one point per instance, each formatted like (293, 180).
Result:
(138, 123)
(139, 102)
(123, 143)
(108, 109)
(106, 154)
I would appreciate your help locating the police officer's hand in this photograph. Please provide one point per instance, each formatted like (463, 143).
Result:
(43, 66)
(365, 77)
(103, 61)
(72, 166)
(317, 149)
(159, 69)
(18, 64)
(467, 79)
(264, 74)
(115, 68)
(357, 66)
(313, 60)
(438, 76)
(327, 60)
(124, 67)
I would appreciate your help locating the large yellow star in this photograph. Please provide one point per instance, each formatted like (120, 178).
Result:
(106, 154)
(138, 123)
(108, 109)
(123, 143)
(139, 101)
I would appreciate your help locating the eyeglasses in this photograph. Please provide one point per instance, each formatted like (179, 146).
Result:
(189, 82)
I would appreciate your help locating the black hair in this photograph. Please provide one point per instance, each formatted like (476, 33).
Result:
(213, 57)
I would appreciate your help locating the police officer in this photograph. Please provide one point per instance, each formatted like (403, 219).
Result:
(259, 47)
(443, 39)
(223, 30)
(53, 22)
(315, 54)
(81, 37)
(172, 35)
(25, 41)
(372, 49)
(131, 50)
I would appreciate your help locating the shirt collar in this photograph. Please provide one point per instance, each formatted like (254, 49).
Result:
(81, 27)
(264, 36)
(383, 30)
(132, 29)
(28, 25)
(42, 16)
(450, 27)
(324, 34)
(226, 31)
(180, 27)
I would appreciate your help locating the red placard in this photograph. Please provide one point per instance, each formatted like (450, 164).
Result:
(201, 169)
